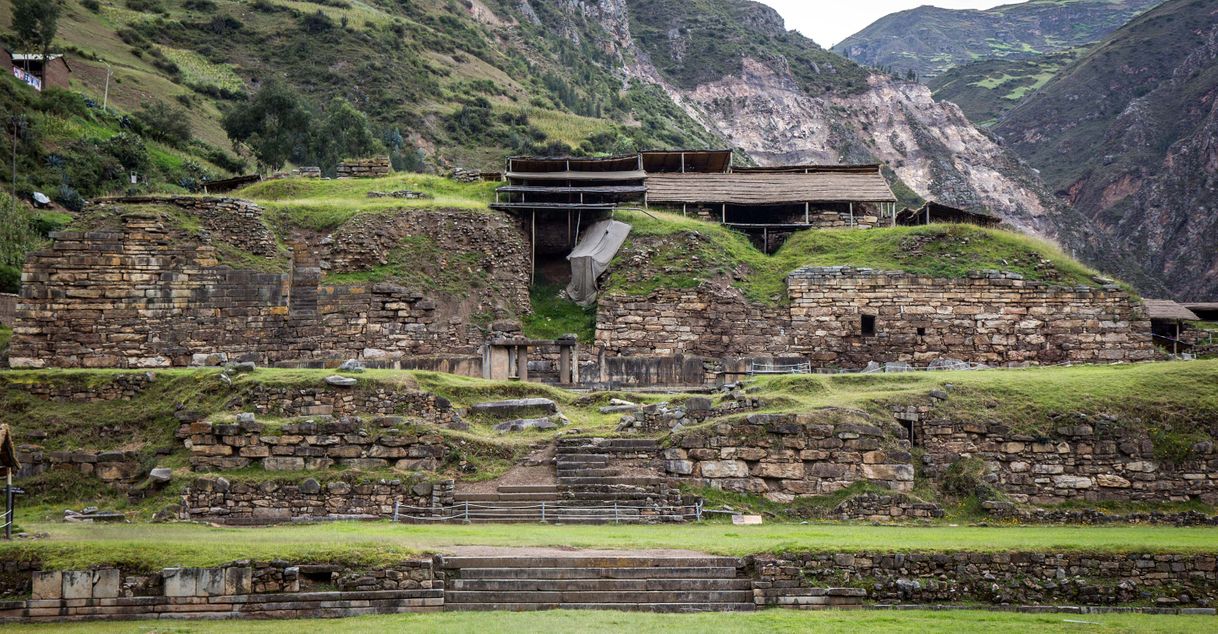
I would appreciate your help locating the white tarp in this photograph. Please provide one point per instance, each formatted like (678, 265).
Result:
(592, 256)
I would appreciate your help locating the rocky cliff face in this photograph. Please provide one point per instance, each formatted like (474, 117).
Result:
(1128, 136)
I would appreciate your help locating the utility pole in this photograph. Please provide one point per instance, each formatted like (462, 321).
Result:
(106, 95)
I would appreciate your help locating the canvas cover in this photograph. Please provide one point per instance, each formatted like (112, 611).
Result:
(592, 256)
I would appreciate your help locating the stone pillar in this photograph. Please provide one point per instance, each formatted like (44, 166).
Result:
(564, 365)
(522, 363)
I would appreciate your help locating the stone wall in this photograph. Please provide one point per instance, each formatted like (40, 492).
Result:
(8, 309)
(313, 446)
(1004, 578)
(364, 168)
(992, 318)
(238, 590)
(118, 468)
(1080, 460)
(150, 294)
(216, 499)
(787, 456)
(996, 319)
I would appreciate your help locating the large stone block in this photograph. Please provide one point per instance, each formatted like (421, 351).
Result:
(107, 583)
(47, 585)
(180, 582)
(724, 469)
(78, 584)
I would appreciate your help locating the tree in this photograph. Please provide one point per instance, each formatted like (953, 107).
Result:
(277, 124)
(35, 22)
(344, 133)
(164, 123)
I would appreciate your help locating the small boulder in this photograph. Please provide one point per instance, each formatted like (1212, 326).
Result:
(341, 381)
(160, 475)
(245, 367)
(522, 424)
(310, 487)
(245, 418)
(352, 365)
(698, 404)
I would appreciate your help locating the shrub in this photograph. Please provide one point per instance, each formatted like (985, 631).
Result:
(965, 477)
(69, 198)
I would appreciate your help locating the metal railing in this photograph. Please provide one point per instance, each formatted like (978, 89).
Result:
(544, 512)
(776, 368)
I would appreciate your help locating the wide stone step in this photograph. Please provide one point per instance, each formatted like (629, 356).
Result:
(610, 481)
(588, 561)
(633, 607)
(585, 472)
(528, 488)
(560, 598)
(503, 497)
(594, 572)
(600, 585)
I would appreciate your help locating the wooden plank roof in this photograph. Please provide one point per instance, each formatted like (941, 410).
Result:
(1167, 309)
(573, 175)
(762, 188)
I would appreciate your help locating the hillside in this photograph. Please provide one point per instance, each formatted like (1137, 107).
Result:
(987, 89)
(930, 41)
(1126, 136)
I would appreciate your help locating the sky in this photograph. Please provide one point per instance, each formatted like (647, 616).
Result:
(831, 21)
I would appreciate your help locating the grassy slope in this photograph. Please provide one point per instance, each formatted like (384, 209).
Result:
(989, 88)
(151, 546)
(692, 251)
(904, 621)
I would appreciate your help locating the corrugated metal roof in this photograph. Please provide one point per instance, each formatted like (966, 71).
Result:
(744, 188)
(1167, 309)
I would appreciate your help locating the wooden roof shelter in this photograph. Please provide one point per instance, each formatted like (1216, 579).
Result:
(1205, 311)
(933, 212)
(685, 161)
(743, 187)
(1167, 310)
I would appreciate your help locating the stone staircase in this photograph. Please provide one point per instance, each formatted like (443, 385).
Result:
(598, 481)
(619, 475)
(652, 583)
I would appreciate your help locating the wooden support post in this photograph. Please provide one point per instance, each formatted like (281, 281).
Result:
(765, 240)
(1175, 344)
(807, 213)
(579, 218)
(684, 209)
(533, 259)
(851, 214)
(724, 213)
(683, 162)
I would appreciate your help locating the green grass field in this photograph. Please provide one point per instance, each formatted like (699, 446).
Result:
(152, 546)
(593, 621)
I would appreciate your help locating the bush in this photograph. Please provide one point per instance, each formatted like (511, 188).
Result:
(10, 279)
(965, 478)
(69, 198)
(165, 123)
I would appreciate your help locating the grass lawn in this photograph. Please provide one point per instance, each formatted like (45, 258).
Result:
(591, 621)
(152, 546)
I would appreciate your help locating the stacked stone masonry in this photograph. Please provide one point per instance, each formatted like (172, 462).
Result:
(364, 168)
(1081, 460)
(847, 318)
(151, 295)
(216, 499)
(240, 590)
(1164, 580)
(787, 456)
(313, 446)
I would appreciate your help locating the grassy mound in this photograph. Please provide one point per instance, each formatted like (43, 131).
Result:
(683, 252)
(323, 205)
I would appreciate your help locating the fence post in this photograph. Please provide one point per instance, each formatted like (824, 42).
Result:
(467, 511)
(396, 504)
(616, 519)
(543, 511)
